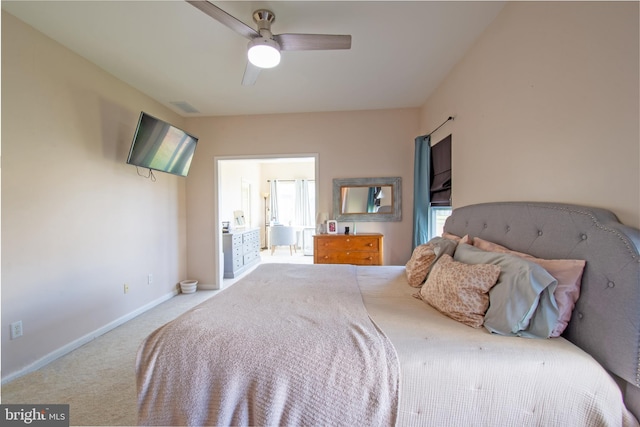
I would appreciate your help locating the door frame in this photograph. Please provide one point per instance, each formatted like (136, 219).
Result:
(218, 261)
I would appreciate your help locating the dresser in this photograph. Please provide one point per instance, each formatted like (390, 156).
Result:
(358, 249)
(241, 250)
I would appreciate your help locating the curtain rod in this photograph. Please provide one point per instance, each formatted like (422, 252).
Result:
(442, 124)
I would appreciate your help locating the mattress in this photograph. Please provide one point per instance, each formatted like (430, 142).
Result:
(453, 374)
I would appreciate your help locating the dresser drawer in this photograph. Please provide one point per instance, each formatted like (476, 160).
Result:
(250, 257)
(350, 243)
(356, 258)
(251, 238)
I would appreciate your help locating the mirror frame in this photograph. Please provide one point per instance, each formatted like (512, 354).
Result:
(396, 188)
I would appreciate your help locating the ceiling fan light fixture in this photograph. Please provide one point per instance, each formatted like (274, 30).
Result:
(264, 52)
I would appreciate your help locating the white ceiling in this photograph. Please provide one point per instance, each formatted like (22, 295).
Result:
(171, 51)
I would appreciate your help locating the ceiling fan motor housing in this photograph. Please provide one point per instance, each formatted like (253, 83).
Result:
(264, 18)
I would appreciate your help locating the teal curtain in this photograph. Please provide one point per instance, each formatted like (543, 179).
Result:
(371, 200)
(421, 190)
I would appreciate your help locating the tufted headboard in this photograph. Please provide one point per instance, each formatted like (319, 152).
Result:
(606, 320)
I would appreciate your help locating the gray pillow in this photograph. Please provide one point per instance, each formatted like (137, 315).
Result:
(522, 302)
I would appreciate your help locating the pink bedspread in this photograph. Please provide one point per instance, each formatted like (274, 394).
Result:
(281, 347)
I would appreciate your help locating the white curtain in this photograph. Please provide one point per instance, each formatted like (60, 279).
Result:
(274, 201)
(304, 214)
(293, 202)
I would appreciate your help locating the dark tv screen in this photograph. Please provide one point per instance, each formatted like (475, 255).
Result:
(160, 146)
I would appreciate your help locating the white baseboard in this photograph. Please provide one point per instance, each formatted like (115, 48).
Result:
(68, 348)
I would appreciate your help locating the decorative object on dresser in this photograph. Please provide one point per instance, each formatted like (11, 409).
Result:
(241, 250)
(239, 218)
(361, 249)
(321, 222)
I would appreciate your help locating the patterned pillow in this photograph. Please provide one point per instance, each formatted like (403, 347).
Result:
(424, 256)
(568, 273)
(461, 291)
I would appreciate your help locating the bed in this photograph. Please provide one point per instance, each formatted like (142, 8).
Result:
(358, 345)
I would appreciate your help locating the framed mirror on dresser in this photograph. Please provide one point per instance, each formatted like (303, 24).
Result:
(367, 199)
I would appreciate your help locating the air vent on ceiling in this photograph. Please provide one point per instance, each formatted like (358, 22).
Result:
(184, 106)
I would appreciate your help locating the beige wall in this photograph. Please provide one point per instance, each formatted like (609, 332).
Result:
(77, 222)
(240, 176)
(348, 144)
(546, 108)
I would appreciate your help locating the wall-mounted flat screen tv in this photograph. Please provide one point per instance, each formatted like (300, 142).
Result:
(160, 146)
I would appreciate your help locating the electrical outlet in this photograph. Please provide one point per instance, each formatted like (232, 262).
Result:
(150, 278)
(126, 288)
(16, 329)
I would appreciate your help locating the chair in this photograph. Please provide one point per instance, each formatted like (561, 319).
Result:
(281, 235)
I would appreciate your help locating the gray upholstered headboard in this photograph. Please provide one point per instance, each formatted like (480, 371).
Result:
(606, 319)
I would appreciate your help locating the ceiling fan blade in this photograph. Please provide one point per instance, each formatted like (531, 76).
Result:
(223, 17)
(313, 41)
(251, 73)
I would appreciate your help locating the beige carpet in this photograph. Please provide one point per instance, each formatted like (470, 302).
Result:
(98, 379)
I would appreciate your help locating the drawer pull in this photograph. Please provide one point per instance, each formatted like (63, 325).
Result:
(370, 244)
(348, 240)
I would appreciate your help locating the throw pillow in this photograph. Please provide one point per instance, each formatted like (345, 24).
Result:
(460, 290)
(424, 256)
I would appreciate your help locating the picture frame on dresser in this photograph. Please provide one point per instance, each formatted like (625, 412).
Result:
(332, 226)
(238, 217)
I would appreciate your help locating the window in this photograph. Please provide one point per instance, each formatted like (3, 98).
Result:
(295, 202)
(438, 216)
(441, 173)
(440, 207)
(286, 202)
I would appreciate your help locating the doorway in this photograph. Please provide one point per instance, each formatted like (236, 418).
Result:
(243, 183)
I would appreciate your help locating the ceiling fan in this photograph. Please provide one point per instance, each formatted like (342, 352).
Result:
(264, 47)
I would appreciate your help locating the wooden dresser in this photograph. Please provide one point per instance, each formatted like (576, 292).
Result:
(358, 249)
(241, 250)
